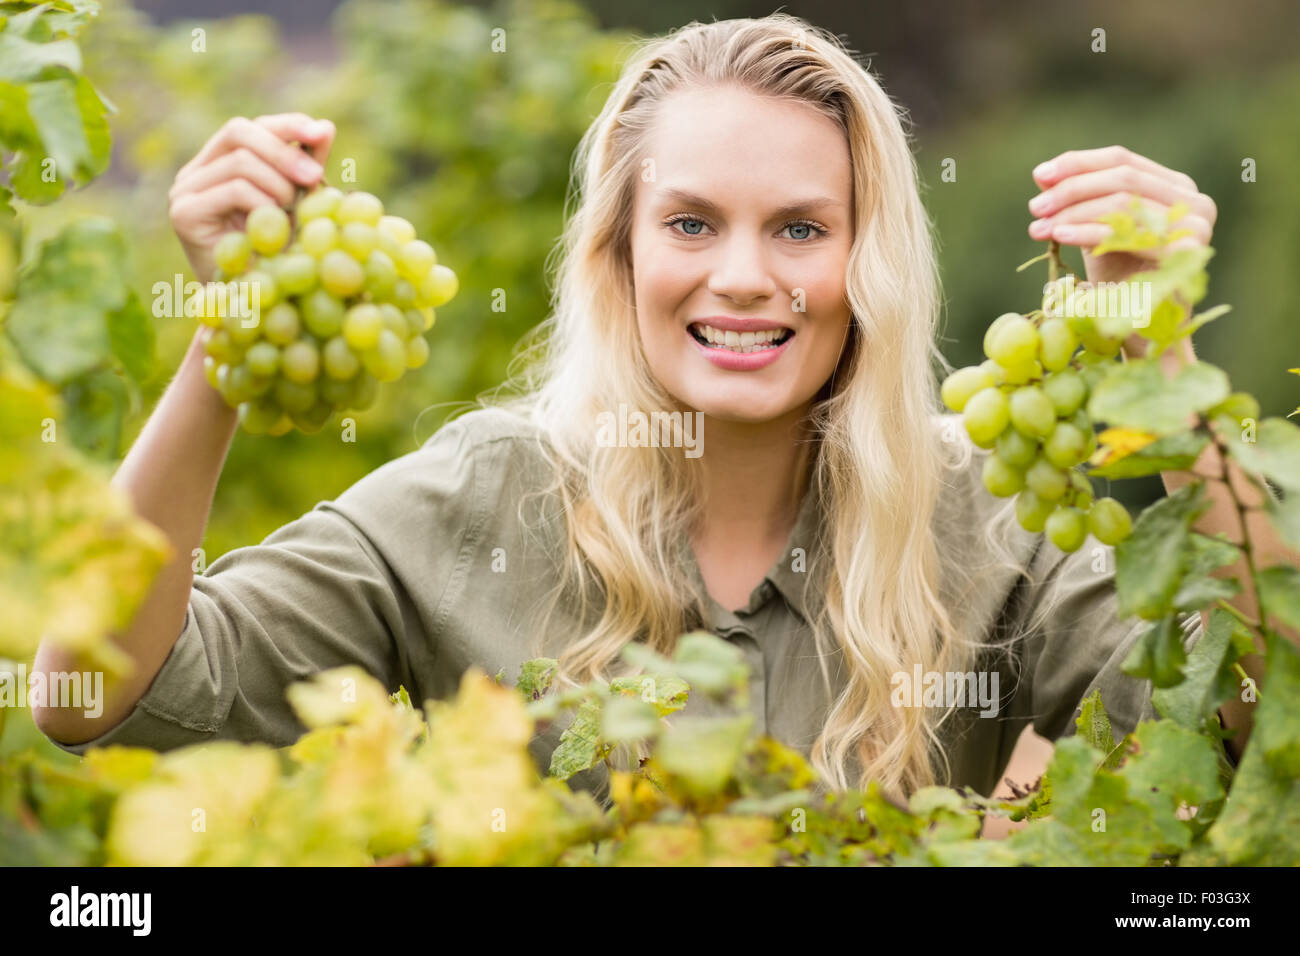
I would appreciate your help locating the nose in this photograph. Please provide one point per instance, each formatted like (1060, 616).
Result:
(741, 272)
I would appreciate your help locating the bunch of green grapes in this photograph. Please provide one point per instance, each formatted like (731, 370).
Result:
(1028, 403)
(345, 294)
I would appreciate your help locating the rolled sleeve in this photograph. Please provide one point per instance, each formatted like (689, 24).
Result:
(354, 581)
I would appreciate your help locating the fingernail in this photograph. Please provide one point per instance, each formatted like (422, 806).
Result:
(308, 167)
(1039, 228)
(1045, 170)
(1038, 204)
(319, 128)
(1066, 232)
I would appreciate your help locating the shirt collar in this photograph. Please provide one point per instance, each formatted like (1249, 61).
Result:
(790, 574)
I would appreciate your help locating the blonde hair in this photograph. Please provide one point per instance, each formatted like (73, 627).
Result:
(878, 462)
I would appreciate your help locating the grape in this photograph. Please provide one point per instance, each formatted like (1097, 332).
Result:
(1016, 449)
(294, 397)
(1046, 480)
(1082, 496)
(1032, 412)
(1109, 521)
(341, 303)
(394, 320)
(319, 236)
(318, 204)
(1056, 344)
(1067, 390)
(417, 259)
(241, 334)
(999, 478)
(296, 273)
(280, 324)
(387, 360)
(365, 390)
(958, 387)
(362, 325)
(439, 286)
(986, 414)
(259, 417)
(232, 252)
(417, 351)
(1020, 374)
(397, 229)
(1016, 343)
(381, 274)
(1032, 511)
(996, 371)
(1066, 528)
(322, 314)
(340, 274)
(359, 207)
(1064, 448)
(263, 292)
(300, 362)
(996, 326)
(358, 240)
(340, 361)
(268, 229)
(263, 359)
(404, 294)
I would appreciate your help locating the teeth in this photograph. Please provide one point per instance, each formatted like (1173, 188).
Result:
(742, 342)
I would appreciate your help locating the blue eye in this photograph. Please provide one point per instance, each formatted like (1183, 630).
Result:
(801, 225)
(688, 222)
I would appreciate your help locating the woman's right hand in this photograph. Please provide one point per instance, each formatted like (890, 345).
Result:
(247, 163)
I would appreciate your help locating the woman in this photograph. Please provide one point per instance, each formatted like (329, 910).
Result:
(749, 249)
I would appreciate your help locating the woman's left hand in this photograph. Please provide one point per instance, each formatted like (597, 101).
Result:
(1080, 185)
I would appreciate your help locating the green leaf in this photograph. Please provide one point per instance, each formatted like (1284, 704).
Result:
(1176, 452)
(667, 694)
(1275, 452)
(131, 337)
(580, 747)
(1209, 681)
(1158, 655)
(1172, 765)
(1093, 724)
(1149, 564)
(710, 664)
(1276, 728)
(702, 752)
(1198, 589)
(625, 719)
(96, 407)
(17, 131)
(57, 114)
(59, 337)
(22, 60)
(1204, 318)
(1259, 824)
(94, 110)
(1279, 589)
(1137, 395)
(1284, 513)
(536, 677)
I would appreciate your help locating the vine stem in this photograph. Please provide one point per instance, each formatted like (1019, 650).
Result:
(1246, 544)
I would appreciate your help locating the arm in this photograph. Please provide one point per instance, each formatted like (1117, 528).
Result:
(171, 472)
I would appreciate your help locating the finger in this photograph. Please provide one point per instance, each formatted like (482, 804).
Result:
(1091, 210)
(1077, 161)
(195, 209)
(1089, 234)
(1114, 179)
(242, 163)
(317, 135)
(268, 139)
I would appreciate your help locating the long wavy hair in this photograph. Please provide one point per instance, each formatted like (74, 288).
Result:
(878, 459)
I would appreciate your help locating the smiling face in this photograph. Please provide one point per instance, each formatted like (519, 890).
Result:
(740, 243)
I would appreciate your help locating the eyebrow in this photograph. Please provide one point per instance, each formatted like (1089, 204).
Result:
(688, 198)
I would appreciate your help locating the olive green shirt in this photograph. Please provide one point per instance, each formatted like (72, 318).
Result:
(423, 569)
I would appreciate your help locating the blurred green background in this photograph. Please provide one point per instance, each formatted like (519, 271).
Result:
(474, 148)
